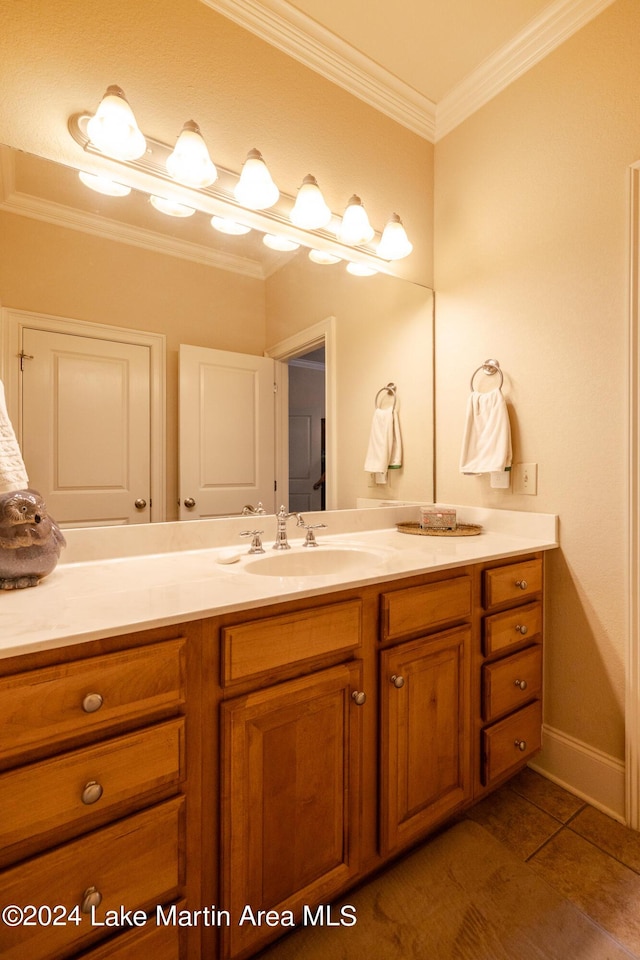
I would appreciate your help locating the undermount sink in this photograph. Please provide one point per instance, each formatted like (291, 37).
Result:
(316, 561)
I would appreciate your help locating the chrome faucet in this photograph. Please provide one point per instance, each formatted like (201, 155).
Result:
(250, 511)
(310, 540)
(281, 534)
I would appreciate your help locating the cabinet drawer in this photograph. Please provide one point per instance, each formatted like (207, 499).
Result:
(509, 743)
(253, 648)
(161, 943)
(509, 683)
(74, 792)
(416, 609)
(48, 705)
(513, 582)
(133, 864)
(503, 630)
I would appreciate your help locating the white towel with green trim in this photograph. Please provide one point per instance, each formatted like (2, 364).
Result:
(385, 444)
(486, 444)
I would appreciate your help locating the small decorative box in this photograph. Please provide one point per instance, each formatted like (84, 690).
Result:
(433, 519)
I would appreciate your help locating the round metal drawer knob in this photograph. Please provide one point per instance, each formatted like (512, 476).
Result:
(397, 681)
(521, 684)
(522, 628)
(359, 697)
(91, 899)
(92, 792)
(521, 745)
(92, 702)
(522, 584)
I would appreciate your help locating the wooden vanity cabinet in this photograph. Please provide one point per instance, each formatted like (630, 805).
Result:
(291, 768)
(508, 666)
(93, 791)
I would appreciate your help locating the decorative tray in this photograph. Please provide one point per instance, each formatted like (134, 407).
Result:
(462, 530)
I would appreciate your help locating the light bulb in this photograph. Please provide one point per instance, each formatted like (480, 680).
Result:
(231, 227)
(104, 185)
(355, 227)
(190, 162)
(310, 210)
(323, 256)
(172, 208)
(255, 188)
(394, 244)
(279, 243)
(113, 128)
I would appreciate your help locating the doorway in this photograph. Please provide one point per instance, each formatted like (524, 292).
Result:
(307, 431)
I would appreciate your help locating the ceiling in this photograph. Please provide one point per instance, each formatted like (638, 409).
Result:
(426, 63)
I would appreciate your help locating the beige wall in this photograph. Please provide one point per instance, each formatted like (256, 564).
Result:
(532, 268)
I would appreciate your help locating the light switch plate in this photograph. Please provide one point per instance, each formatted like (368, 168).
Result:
(525, 478)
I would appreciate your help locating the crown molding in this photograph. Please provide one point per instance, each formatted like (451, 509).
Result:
(297, 35)
(541, 36)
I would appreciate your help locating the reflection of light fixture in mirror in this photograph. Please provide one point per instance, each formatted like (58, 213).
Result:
(255, 188)
(190, 162)
(355, 227)
(279, 243)
(231, 227)
(171, 207)
(113, 128)
(394, 244)
(323, 256)
(310, 210)
(104, 185)
(360, 270)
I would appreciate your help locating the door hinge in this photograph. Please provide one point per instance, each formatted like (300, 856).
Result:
(24, 356)
(275, 387)
(275, 486)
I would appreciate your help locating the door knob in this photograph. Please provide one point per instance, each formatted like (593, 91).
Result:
(189, 503)
(140, 503)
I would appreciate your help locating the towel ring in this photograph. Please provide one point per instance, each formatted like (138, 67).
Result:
(489, 367)
(391, 389)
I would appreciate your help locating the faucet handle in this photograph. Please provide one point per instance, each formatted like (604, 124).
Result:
(256, 542)
(310, 539)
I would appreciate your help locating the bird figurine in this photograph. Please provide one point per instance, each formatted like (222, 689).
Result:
(30, 540)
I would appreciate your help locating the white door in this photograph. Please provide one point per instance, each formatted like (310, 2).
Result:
(85, 427)
(227, 432)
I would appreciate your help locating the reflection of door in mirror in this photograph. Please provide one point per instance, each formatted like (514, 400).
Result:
(306, 431)
(85, 427)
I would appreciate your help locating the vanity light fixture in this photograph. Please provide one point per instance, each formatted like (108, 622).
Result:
(255, 188)
(104, 185)
(231, 227)
(279, 243)
(323, 257)
(172, 208)
(355, 228)
(310, 210)
(190, 162)
(360, 269)
(394, 244)
(113, 128)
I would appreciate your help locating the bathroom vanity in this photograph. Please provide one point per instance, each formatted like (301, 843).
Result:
(196, 787)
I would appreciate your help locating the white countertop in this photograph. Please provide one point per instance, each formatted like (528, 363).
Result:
(175, 581)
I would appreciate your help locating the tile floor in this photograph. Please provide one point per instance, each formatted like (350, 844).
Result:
(583, 854)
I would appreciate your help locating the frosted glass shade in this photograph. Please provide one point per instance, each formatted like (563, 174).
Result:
(310, 210)
(255, 188)
(190, 162)
(279, 243)
(323, 256)
(355, 227)
(231, 227)
(361, 270)
(172, 208)
(104, 185)
(394, 244)
(113, 128)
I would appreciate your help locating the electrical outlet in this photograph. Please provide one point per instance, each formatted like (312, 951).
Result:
(525, 478)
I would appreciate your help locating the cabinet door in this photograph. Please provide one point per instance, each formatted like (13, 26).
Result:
(425, 735)
(291, 785)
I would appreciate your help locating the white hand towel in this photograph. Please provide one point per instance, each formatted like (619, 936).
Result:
(13, 475)
(486, 444)
(385, 444)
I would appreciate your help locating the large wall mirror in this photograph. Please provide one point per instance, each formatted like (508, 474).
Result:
(74, 262)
